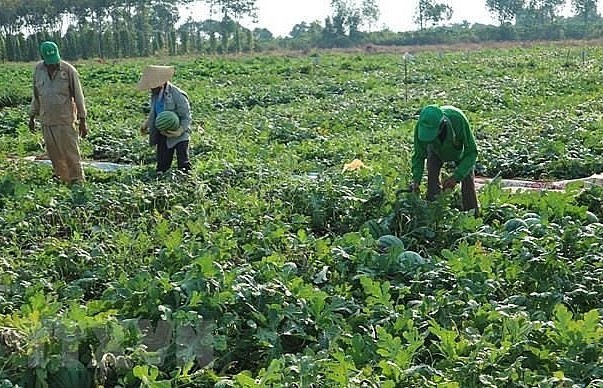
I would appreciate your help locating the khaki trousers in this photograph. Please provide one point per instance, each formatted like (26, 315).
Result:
(63, 149)
(434, 187)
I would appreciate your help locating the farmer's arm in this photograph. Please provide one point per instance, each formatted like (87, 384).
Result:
(34, 109)
(418, 158)
(183, 110)
(78, 94)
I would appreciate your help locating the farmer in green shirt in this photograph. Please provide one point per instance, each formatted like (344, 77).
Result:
(443, 134)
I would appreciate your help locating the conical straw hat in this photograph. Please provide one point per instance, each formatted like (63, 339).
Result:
(154, 76)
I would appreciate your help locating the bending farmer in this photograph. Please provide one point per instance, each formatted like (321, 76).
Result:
(443, 134)
(169, 121)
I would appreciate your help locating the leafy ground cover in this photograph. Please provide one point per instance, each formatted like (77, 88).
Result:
(271, 266)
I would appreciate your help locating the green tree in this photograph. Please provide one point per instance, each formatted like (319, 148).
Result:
(585, 9)
(370, 13)
(505, 10)
(249, 41)
(234, 9)
(306, 35)
(187, 35)
(10, 21)
(350, 15)
(231, 11)
(227, 29)
(144, 32)
(211, 28)
(430, 11)
(538, 12)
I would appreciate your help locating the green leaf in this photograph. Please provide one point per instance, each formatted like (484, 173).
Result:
(174, 239)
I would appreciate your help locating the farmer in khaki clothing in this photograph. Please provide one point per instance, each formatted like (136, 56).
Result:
(443, 134)
(57, 101)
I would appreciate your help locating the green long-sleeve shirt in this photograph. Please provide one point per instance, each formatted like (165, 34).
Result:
(458, 146)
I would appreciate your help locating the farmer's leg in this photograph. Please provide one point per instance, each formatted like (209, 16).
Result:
(71, 153)
(469, 193)
(52, 142)
(164, 154)
(434, 167)
(182, 155)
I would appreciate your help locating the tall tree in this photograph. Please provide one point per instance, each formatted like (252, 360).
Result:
(96, 13)
(505, 10)
(350, 15)
(541, 11)
(585, 9)
(430, 11)
(370, 12)
(163, 17)
(9, 18)
(234, 9)
(343, 13)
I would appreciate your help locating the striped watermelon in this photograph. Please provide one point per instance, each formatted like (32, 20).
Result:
(168, 124)
(389, 241)
(410, 261)
(411, 258)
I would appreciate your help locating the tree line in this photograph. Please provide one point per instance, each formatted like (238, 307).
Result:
(136, 28)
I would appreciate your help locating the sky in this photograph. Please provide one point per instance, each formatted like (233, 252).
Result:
(279, 16)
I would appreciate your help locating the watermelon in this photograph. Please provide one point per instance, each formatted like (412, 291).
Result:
(410, 259)
(388, 241)
(591, 217)
(168, 124)
(530, 215)
(514, 224)
(532, 221)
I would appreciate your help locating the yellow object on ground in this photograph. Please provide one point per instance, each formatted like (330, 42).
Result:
(355, 164)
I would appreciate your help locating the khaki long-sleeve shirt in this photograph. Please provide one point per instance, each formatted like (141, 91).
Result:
(58, 97)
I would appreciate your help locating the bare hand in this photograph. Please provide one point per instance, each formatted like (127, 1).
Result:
(449, 183)
(83, 128)
(144, 127)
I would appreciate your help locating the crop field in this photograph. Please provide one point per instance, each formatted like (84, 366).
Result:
(273, 265)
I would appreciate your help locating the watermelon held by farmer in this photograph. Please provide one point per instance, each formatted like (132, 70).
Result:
(168, 124)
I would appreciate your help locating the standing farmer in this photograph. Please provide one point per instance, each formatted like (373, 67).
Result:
(57, 101)
(166, 97)
(443, 134)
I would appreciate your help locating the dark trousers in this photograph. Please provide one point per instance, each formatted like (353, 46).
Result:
(165, 155)
(434, 188)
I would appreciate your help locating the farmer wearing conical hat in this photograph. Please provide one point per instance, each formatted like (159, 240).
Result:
(165, 96)
(443, 134)
(57, 102)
